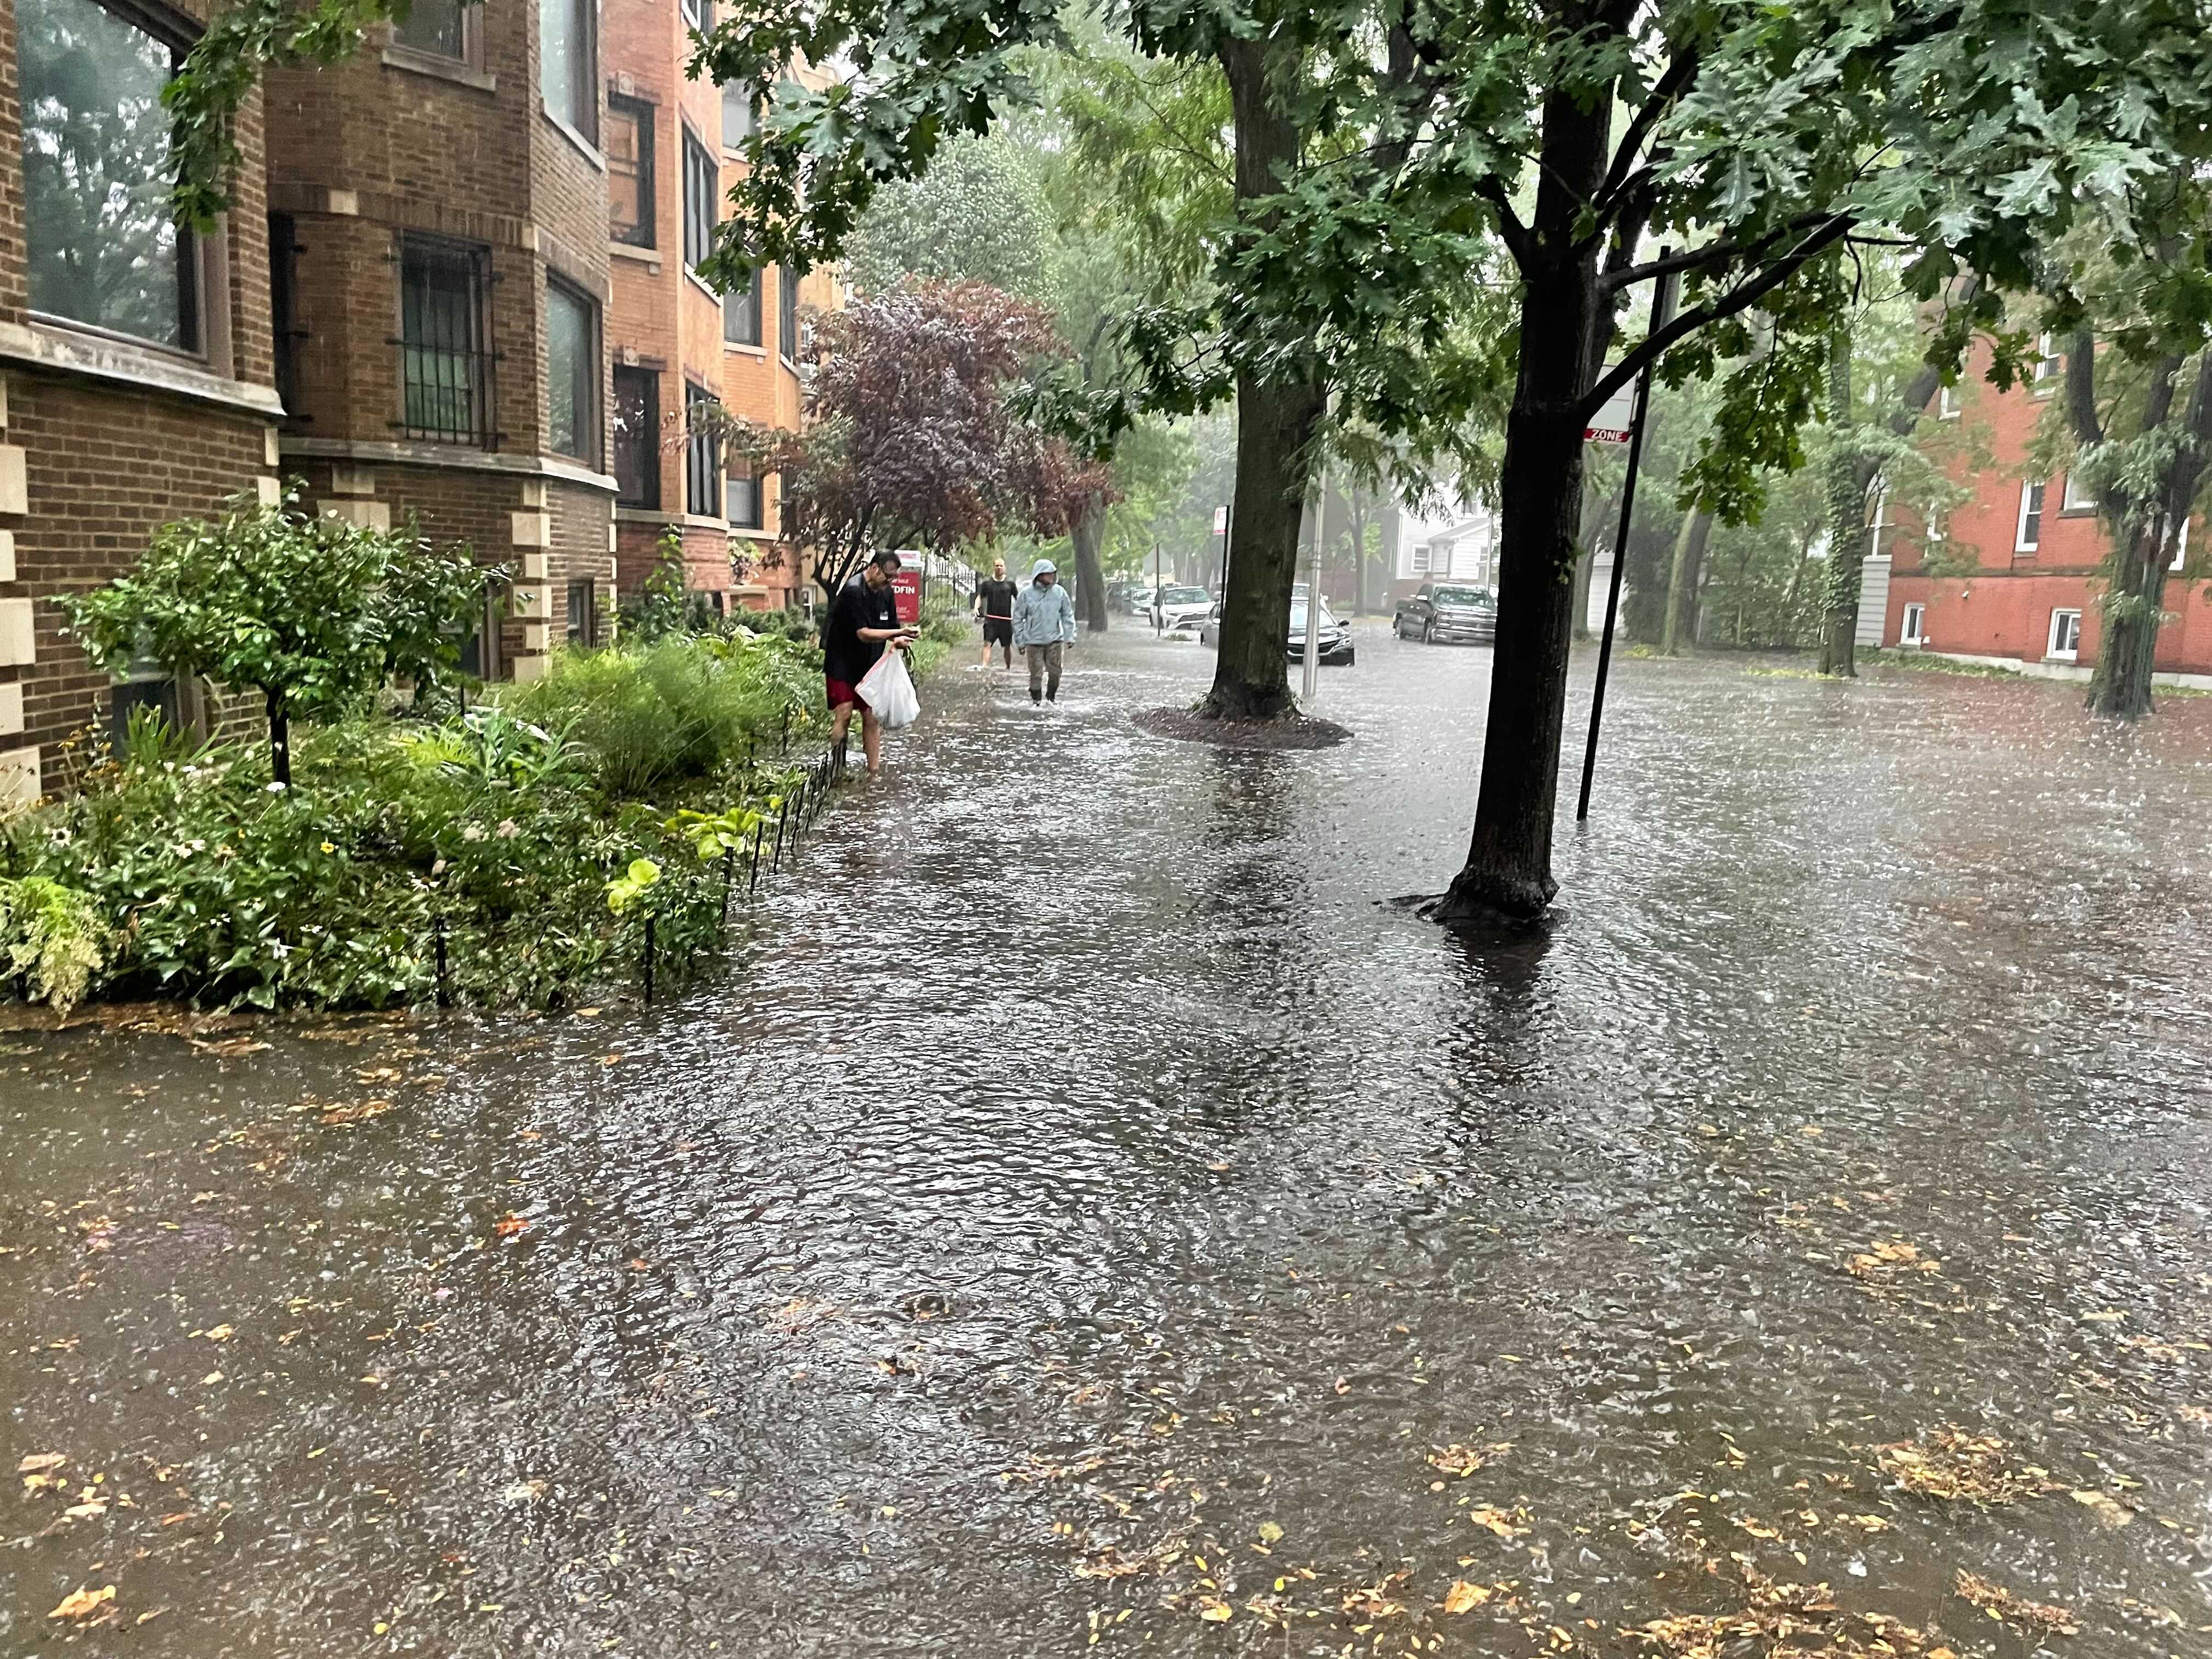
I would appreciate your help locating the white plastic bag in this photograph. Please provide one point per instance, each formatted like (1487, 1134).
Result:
(889, 689)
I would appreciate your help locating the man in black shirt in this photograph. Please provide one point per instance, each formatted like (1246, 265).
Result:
(994, 604)
(863, 621)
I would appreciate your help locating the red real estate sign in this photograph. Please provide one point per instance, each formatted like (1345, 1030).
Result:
(1613, 424)
(906, 593)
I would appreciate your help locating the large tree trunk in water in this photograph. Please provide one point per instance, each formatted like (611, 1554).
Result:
(1845, 488)
(1090, 575)
(1507, 879)
(1681, 623)
(1276, 419)
(1251, 675)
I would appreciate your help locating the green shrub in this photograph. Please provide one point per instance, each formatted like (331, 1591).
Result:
(56, 938)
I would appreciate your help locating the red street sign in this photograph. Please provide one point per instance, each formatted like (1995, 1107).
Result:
(906, 593)
(1614, 423)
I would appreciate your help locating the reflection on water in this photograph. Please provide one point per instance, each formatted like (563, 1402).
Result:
(1084, 1209)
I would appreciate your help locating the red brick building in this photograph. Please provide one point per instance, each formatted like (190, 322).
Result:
(673, 152)
(440, 279)
(137, 365)
(2026, 550)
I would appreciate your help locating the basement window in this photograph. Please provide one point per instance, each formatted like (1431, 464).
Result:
(2065, 642)
(1914, 631)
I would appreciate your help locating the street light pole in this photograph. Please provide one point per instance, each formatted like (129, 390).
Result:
(1159, 620)
(1663, 311)
(1312, 677)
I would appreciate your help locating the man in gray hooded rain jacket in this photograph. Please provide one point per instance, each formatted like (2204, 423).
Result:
(1044, 627)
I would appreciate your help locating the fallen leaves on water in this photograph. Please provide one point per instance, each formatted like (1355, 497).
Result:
(1270, 1533)
(2107, 1510)
(83, 1603)
(1377, 1599)
(2001, 1603)
(1892, 1255)
(509, 1224)
(1463, 1597)
(1214, 1610)
(1463, 1461)
(525, 1491)
(1951, 1464)
(1787, 1618)
(1497, 1520)
(228, 1048)
(39, 1463)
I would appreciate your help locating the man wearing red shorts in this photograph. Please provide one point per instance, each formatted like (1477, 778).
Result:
(863, 621)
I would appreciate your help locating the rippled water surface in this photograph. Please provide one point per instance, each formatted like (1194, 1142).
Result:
(1085, 1210)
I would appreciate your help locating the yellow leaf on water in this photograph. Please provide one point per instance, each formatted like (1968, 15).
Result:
(40, 1461)
(219, 1333)
(1214, 1610)
(1270, 1533)
(210, 1378)
(1463, 1597)
(2111, 1513)
(82, 1603)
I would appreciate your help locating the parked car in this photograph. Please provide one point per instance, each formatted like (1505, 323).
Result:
(1138, 602)
(1335, 640)
(1181, 607)
(1449, 610)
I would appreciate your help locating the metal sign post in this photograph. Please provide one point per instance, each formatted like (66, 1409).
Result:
(1662, 310)
(1158, 620)
(1311, 679)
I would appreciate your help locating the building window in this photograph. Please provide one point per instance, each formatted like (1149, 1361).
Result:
(629, 171)
(786, 313)
(703, 455)
(1915, 626)
(568, 65)
(444, 372)
(284, 309)
(572, 373)
(637, 438)
(695, 13)
(1948, 403)
(2072, 498)
(101, 247)
(740, 120)
(702, 196)
(741, 313)
(441, 28)
(1419, 564)
(744, 495)
(2048, 364)
(583, 616)
(2030, 534)
(2065, 642)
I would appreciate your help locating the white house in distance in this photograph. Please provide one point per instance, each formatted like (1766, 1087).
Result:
(1460, 545)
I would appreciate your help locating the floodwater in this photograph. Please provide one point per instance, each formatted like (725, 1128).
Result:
(1084, 1209)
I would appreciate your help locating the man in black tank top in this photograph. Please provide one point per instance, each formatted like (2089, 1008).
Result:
(994, 604)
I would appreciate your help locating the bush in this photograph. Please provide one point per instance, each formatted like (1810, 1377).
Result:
(675, 712)
(189, 871)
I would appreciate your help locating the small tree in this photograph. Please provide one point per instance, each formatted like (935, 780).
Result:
(910, 437)
(313, 612)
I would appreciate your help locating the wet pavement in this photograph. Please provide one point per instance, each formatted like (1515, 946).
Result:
(1084, 1210)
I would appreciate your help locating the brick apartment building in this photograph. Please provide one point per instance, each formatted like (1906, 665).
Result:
(2027, 549)
(408, 309)
(672, 150)
(439, 279)
(136, 363)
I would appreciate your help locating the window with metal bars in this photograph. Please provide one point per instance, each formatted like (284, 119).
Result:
(445, 371)
(702, 197)
(637, 438)
(702, 454)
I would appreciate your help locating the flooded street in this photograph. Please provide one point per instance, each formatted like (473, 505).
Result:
(1084, 1209)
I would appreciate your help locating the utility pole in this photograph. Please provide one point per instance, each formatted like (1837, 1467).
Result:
(1312, 678)
(1663, 311)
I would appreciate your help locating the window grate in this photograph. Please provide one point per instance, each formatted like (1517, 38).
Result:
(444, 372)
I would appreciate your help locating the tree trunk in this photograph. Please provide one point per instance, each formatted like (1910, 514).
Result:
(1251, 676)
(2134, 606)
(1276, 419)
(1681, 621)
(1090, 573)
(280, 739)
(1507, 879)
(1845, 488)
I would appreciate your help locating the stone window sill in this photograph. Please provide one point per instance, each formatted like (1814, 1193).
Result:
(760, 352)
(143, 367)
(416, 62)
(650, 255)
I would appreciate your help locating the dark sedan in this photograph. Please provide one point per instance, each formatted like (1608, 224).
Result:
(1442, 612)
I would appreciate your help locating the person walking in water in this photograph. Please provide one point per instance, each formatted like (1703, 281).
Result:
(863, 623)
(994, 604)
(1044, 627)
